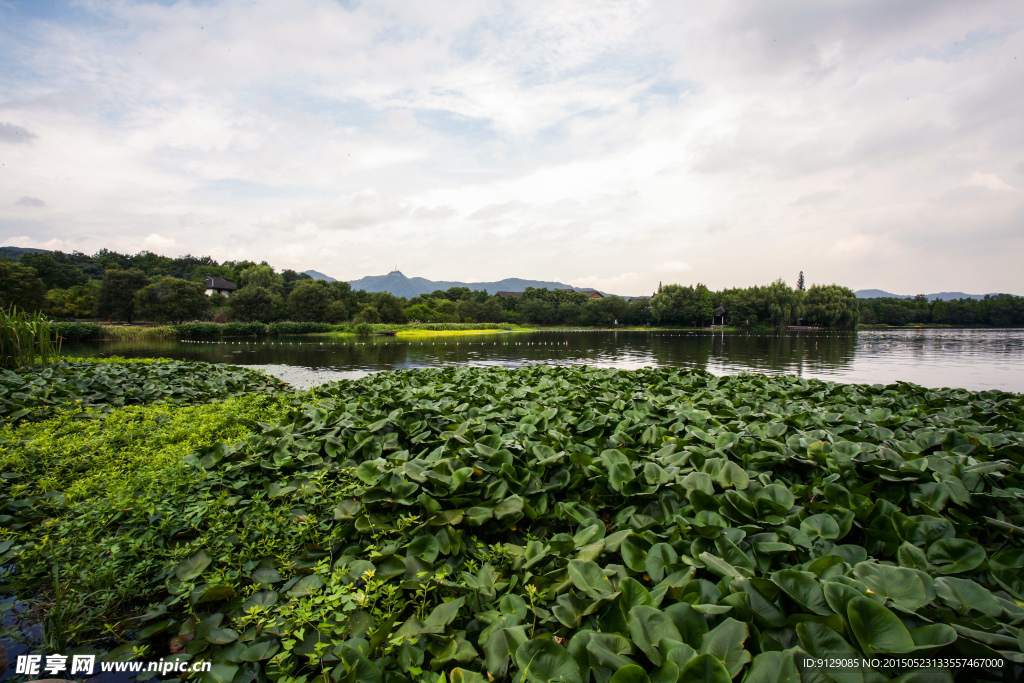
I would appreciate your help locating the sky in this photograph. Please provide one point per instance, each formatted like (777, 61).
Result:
(615, 145)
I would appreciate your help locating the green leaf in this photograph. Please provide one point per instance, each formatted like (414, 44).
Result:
(725, 643)
(732, 475)
(772, 667)
(955, 555)
(510, 509)
(819, 640)
(220, 672)
(965, 595)
(267, 576)
(425, 547)
(193, 566)
(660, 558)
(589, 578)
(804, 588)
(542, 661)
(631, 594)
(704, 669)
(211, 592)
(306, 585)
(820, 526)
(222, 636)
(877, 629)
(933, 636)
(648, 626)
(355, 666)
(899, 584)
(634, 552)
(691, 625)
(442, 615)
(501, 646)
(260, 650)
(631, 673)
(462, 676)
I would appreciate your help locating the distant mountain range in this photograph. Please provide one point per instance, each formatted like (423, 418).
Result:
(14, 253)
(408, 287)
(940, 296)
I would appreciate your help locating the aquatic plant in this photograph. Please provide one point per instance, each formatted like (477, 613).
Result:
(556, 523)
(26, 338)
(34, 393)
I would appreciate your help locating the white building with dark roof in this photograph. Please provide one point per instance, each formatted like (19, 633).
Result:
(218, 285)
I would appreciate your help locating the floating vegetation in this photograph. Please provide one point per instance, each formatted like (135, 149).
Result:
(544, 524)
(34, 393)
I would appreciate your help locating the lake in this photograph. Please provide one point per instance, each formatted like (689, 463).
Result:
(972, 359)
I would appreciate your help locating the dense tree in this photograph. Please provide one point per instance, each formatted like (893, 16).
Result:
(782, 303)
(72, 281)
(20, 286)
(390, 308)
(252, 304)
(200, 273)
(116, 297)
(832, 306)
(260, 276)
(368, 313)
(74, 302)
(679, 305)
(172, 299)
(309, 301)
(290, 279)
(54, 270)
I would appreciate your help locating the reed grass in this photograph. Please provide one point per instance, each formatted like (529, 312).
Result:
(26, 339)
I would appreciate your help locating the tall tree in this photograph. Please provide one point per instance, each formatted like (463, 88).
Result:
(54, 270)
(309, 301)
(252, 304)
(800, 281)
(832, 306)
(260, 276)
(172, 299)
(117, 293)
(20, 286)
(782, 303)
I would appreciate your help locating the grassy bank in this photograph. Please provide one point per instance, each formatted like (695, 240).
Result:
(542, 523)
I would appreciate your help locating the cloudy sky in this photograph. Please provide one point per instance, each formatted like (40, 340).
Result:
(611, 144)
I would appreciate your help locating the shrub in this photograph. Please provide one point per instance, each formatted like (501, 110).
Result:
(364, 329)
(299, 328)
(243, 330)
(73, 332)
(198, 330)
(132, 332)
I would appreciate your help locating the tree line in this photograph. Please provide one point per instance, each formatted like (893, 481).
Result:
(998, 310)
(157, 288)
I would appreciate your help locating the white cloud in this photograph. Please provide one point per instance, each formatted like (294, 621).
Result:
(613, 144)
(989, 180)
(155, 242)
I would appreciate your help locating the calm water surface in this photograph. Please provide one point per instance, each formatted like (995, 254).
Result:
(972, 359)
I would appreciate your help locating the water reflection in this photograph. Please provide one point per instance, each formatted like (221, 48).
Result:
(975, 359)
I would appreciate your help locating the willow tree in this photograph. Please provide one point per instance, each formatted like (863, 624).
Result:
(832, 306)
